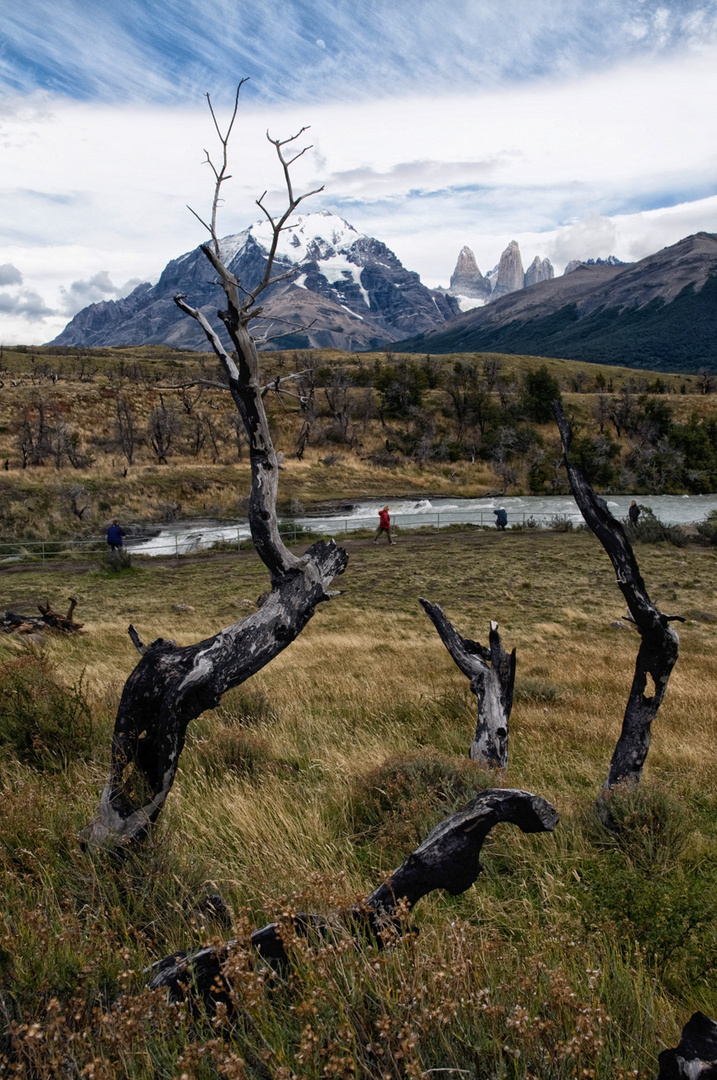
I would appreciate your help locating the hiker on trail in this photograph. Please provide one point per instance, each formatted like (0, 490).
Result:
(501, 518)
(633, 512)
(384, 525)
(114, 536)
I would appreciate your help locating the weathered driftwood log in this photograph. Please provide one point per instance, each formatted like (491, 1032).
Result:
(695, 1058)
(171, 686)
(491, 672)
(449, 858)
(659, 645)
(48, 620)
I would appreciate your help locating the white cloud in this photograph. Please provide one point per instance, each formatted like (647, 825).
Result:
(593, 237)
(99, 287)
(10, 275)
(98, 193)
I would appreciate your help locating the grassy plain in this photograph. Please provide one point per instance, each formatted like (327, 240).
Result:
(576, 954)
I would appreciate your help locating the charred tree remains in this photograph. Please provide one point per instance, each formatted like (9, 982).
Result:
(171, 685)
(491, 673)
(449, 858)
(11, 623)
(695, 1057)
(659, 644)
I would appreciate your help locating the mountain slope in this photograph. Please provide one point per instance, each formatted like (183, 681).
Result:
(659, 313)
(352, 289)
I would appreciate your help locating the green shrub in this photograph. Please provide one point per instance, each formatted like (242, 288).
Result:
(707, 530)
(644, 823)
(395, 805)
(42, 722)
(116, 561)
(650, 530)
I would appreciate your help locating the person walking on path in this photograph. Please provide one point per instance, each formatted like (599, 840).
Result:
(501, 518)
(114, 537)
(384, 525)
(633, 512)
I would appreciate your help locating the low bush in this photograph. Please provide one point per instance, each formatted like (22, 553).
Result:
(43, 722)
(650, 530)
(707, 530)
(395, 805)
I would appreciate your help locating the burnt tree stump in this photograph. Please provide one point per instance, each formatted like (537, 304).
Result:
(491, 673)
(695, 1056)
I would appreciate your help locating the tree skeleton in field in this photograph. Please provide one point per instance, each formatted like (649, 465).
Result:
(172, 685)
(659, 643)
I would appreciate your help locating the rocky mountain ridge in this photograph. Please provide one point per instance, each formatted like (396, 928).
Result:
(472, 289)
(349, 291)
(659, 313)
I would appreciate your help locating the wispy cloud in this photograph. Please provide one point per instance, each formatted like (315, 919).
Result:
(167, 50)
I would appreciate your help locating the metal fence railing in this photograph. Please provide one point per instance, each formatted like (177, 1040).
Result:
(194, 539)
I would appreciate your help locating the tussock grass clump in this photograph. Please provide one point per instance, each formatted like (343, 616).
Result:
(535, 690)
(43, 722)
(646, 824)
(394, 806)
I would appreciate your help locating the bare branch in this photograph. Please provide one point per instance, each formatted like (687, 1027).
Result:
(136, 640)
(194, 382)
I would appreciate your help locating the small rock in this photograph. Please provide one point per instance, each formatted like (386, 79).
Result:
(183, 609)
(618, 625)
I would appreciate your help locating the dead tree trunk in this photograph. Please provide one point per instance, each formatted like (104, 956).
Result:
(449, 858)
(695, 1057)
(659, 646)
(491, 672)
(171, 686)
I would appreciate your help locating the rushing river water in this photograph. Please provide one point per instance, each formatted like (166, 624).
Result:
(184, 537)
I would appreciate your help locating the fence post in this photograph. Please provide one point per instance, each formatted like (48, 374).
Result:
(43, 550)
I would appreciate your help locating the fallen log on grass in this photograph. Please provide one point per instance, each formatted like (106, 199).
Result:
(695, 1057)
(11, 623)
(491, 672)
(659, 643)
(449, 858)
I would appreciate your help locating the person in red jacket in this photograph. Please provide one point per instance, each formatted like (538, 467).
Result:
(384, 525)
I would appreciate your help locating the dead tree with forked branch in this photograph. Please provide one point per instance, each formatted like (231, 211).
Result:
(491, 672)
(170, 685)
(659, 643)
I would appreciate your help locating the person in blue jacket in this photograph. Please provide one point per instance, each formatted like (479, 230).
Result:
(501, 518)
(114, 536)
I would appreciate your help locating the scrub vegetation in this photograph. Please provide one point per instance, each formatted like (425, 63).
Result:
(86, 436)
(576, 954)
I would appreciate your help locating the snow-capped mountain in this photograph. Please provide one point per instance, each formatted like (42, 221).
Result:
(351, 288)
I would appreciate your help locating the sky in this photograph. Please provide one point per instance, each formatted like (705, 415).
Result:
(580, 128)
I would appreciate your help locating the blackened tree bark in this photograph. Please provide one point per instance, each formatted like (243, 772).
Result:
(449, 858)
(695, 1057)
(491, 672)
(659, 646)
(170, 685)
